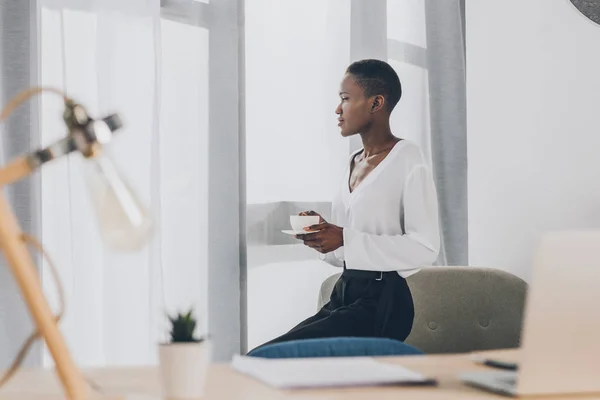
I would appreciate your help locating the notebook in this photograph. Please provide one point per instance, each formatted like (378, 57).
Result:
(298, 373)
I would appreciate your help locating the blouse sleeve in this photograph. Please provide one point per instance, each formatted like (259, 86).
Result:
(417, 247)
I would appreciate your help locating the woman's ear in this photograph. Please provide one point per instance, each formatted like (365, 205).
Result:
(378, 103)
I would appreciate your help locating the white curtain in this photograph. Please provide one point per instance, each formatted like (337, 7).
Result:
(296, 55)
(120, 56)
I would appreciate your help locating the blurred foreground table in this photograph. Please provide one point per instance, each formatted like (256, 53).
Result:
(225, 383)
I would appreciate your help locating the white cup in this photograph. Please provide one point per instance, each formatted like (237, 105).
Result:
(299, 222)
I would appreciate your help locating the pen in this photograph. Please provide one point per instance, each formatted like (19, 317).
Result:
(495, 363)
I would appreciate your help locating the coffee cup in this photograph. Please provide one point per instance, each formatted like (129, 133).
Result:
(299, 222)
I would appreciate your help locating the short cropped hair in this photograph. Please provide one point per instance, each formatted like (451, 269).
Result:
(377, 77)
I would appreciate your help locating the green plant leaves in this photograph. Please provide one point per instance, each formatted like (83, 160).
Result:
(183, 326)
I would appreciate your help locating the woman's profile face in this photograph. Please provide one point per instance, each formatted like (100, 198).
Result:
(354, 108)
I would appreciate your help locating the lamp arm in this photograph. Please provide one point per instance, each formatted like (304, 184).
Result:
(85, 135)
(25, 165)
(21, 167)
(15, 171)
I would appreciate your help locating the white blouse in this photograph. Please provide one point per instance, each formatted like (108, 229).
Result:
(390, 220)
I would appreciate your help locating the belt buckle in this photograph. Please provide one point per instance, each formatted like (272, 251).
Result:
(380, 276)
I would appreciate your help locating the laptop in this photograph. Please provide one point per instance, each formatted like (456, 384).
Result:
(560, 346)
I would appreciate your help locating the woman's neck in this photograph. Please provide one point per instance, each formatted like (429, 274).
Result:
(377, 139)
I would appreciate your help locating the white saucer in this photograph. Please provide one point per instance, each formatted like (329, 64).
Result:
(291, 232)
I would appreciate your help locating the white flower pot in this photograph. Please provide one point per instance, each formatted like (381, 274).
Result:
(183, 368)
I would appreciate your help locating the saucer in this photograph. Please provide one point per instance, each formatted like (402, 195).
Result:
(291, 232)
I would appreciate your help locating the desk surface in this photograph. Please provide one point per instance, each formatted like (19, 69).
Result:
(225, 383)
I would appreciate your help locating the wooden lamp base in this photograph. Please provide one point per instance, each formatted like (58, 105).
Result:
(27, 277)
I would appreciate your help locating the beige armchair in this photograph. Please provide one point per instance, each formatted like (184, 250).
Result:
(461, 309)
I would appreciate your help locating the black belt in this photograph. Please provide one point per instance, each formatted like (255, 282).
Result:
(357, 273)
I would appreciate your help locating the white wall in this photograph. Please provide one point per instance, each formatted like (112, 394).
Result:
(533, 92)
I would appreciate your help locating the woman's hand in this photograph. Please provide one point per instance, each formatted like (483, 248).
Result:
(328, 238)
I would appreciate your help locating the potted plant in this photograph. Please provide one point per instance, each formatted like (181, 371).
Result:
(184, 359)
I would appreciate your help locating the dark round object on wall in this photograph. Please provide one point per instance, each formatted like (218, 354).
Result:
(589, 8)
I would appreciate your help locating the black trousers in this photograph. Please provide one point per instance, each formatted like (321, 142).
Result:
(362, 304)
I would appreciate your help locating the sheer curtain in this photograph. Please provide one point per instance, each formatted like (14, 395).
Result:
(120, 56)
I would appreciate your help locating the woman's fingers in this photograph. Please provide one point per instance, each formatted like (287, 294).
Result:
(310, 237)
(317, 227)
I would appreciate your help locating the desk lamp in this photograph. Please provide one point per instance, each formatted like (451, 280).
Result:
(123, 221)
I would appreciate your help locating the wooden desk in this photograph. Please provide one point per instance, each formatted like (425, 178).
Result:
(225, 383)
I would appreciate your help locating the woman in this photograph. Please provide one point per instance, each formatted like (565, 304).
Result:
(384, 223)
